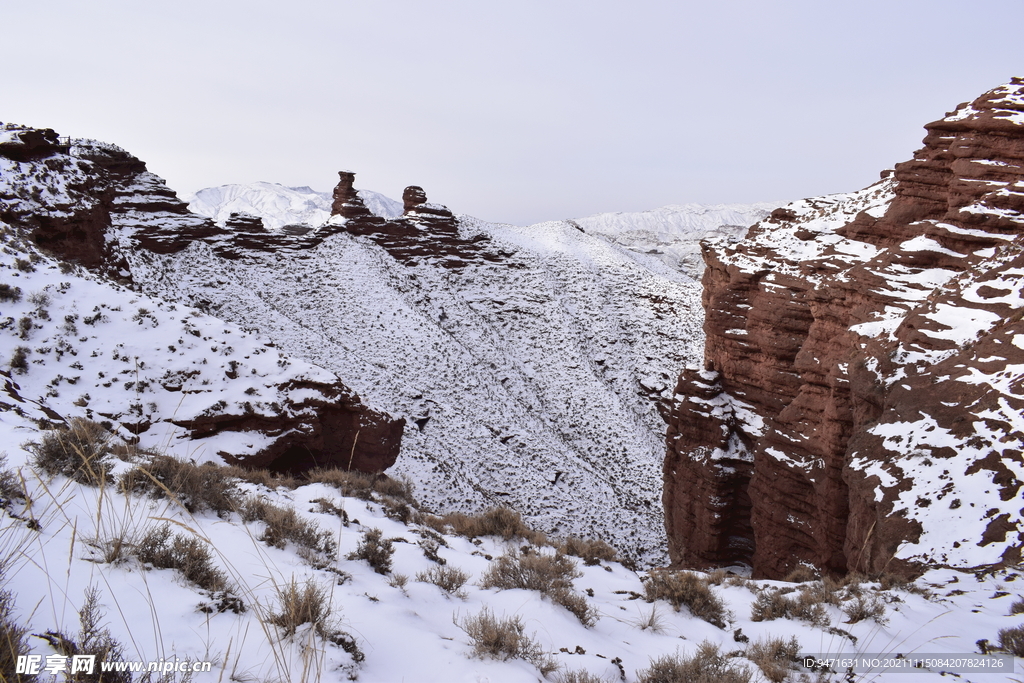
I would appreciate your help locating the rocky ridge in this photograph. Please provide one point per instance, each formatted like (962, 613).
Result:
(860, 402)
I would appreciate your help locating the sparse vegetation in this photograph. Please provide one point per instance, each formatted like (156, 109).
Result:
(774, 656)
(552, 575)
(591, 551)
(449, 579)
(78, 451)
(284, 524)
(505, 639)
(196, 487)
(187, 554)
(686, 589)
(376, 550)
(1012, 640)
(707, 665)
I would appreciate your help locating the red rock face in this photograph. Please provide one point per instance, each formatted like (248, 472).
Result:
(860, 402)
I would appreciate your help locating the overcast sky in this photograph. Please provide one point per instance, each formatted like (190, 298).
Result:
(510, 111)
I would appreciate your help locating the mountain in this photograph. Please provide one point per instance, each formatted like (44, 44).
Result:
(859, 405)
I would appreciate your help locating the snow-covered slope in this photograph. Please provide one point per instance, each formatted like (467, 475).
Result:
(278, 205)
(673, 233)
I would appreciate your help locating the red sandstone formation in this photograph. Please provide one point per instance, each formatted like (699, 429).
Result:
(860, 406)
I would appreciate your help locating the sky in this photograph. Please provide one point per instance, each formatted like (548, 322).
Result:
(510, 111)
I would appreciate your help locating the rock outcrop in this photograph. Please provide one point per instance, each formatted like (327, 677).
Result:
(90, 203)
(860, 405)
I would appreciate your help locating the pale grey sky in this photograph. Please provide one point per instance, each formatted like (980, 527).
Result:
(511, 111)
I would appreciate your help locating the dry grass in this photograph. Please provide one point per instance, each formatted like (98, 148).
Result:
(196, 487)
(689, 589)
(551, 575)
(13, 640)
(91, 639)
(364, 486)
(284, 525)
(449, 579)
(801, 574)
(1012, 640)
(1017, 607)
(504, 639)
(308, 603)
(79, 451)
(651, 621)
(707, 665)
(774, 656)
(500, 521)
(581, 676)
(808, 605)
(861, 608)
(375, 550)
(591, 551)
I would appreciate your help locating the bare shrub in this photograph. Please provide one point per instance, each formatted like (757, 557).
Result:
(504, 639)
(19, 360)
(861, 608)
(774, 656)
(78, 451)
(707, 665)
(689, 589)
(375, 550)
(187, 554)
(500, 521)
(308, 603)
(552, 575)
(8, 293)
(801, 574)
(284, 524)
(449, 579)
(1017, 607)
(196, 487)
(807, 606)
(399, 581)
(91, 639)
(13, 640)
(1012, 640)
(591, 551)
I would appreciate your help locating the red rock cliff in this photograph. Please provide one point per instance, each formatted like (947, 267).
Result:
(860, 405)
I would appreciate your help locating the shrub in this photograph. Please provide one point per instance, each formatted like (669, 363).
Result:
(774, 656)
(707, 665)
(195, 487)
(591, 551)
(689, 589)
(375, 550)
(499, 521)
(284, 524)
(24, 327)
(363, 486)
(552, 575)
(187, 554)
(808, 606)
(1012, 640)
(801, 574)
(298, 605)
(504, 639)
(78, 451)
(1017, 607)
(13, 640)
(91, 639)
(449, 579)
(861, 608)
(581, 676)
(8, 293)
(19, 359)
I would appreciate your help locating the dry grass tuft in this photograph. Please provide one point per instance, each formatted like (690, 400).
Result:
(500, 521)
(297, 604)
(449, 579)
(196, 487)
(801, 574)
(861, 608)
(91, 639)
(689, 589)
(774, 656)
(504, 639)
(284, 525)
(13, 640)
(79, 451)
(707, 665)
(581, 676)
(551, 575)
(1017, 607)
(591, 551)
(187, 554)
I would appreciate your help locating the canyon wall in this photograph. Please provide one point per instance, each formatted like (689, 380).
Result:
(860, 403)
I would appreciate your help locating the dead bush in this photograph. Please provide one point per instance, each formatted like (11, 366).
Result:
(551, 575)
(196, 487)
(19, 360)
(500, 521)
(13, 640)
(8, 293)
(1017, 607)
(91, 639)
(591, 551)
(801, 574)
(363, 486)
(1012, 640)
(807, 606)
(774, 656)
(504, 639)
(449, 579)
(78, 451)
(284, 525)
(187, 554)
(308, 603)
(707, 665)
(375, 550)
(861, 608)
(581, 676)
(689, 589)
